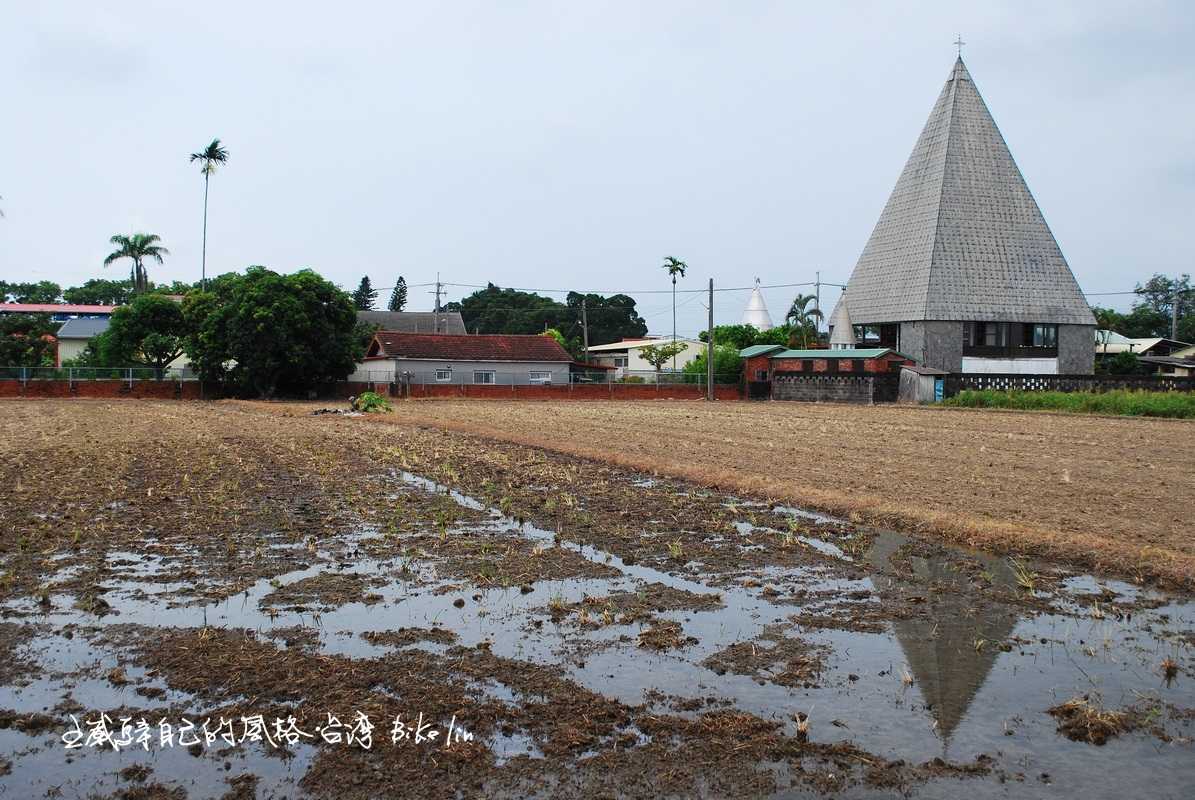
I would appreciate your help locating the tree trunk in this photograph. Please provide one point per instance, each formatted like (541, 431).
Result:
(203, 266)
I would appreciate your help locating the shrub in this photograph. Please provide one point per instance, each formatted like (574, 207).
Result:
(1121, 401)
(372, 403)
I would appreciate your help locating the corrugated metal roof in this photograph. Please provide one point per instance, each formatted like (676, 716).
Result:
(869, 352)
(53, 308)
(961, 237)
(759, 350)
(82, 328)
(484, 347)
(416, 321)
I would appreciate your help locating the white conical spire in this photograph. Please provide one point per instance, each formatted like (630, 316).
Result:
(842, 333)
(757, 314)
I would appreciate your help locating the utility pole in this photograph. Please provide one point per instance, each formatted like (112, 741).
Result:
(817, 304)
(709, 349)
(1174, 312)
(585, 328)
(439, 291)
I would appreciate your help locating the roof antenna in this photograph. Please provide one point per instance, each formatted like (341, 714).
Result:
(959, 44)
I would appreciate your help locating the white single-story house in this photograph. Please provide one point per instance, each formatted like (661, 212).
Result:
(627, 357)
(74, 335)
(1110, 343)
(76, 332)
(462, 359)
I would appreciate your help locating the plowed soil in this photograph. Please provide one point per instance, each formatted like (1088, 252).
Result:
(1104, 492)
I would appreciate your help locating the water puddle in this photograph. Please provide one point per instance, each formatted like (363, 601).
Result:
(955, 674)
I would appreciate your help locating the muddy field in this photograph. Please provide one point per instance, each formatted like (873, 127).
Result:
(1108, 492)
(363, 609)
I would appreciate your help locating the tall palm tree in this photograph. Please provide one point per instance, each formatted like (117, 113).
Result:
(209, 158)
(675, 267)
(138, 247)
(801, 317)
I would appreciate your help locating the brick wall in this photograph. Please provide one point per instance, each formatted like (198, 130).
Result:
(162, 390)
(610, 391)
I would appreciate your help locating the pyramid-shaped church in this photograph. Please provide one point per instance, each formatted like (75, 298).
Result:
(961, 272)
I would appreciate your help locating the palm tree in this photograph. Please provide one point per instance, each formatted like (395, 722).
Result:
(209, 157)
(675, 267)
(800, 317)
(138, 247)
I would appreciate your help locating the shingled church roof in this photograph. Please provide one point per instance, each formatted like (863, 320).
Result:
(961, 237)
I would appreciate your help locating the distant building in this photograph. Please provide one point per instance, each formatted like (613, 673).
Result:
(486, 359)
(844, 375)
(416, 321)
(756, 314)
(59, 311)
(1110, 343)
(961, 272)
(627, 357)
(74, 335)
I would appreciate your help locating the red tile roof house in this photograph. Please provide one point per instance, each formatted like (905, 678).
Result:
(453, 359)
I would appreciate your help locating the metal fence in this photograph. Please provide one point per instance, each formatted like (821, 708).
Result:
(74, 374)
(488, 377)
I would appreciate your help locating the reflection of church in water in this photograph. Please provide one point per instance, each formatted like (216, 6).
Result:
(939, 645)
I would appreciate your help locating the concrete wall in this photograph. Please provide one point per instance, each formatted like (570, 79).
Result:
(70, 348)
(1009, 366)
(825, 388)
(506, 373)
(933, 343)
(1076, 349)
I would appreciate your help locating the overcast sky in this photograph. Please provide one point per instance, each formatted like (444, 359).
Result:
(574, 144)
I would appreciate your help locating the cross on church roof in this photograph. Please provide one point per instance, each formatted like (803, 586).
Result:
(959, 44)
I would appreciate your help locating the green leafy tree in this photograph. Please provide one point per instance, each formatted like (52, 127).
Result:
(675, 268)
(27, 340)
(557, 336)
(497, 310)
(659, 354)
(739, 336)
(728, 367)
(363, 332)
(150, 330)
(266, 333)
(802, 320)
(365, 296)
(38, 292)
(100, 292)
(210, 157)
(138, 248)
(611, 319)
(398, 296)
(1120, 364)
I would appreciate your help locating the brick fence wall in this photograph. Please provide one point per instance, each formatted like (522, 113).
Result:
(579, 391)
(162, 390)
(190, 390)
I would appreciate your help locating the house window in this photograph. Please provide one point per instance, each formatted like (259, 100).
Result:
(483, 376)
(444, 375)
(761, 375)
(539, 376)
(1045, 336)
(620, 361)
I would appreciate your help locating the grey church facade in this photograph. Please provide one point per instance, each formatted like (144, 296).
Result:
(961, 272)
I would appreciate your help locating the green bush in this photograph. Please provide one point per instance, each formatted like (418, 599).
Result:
(372, 403)
(1121, 401)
